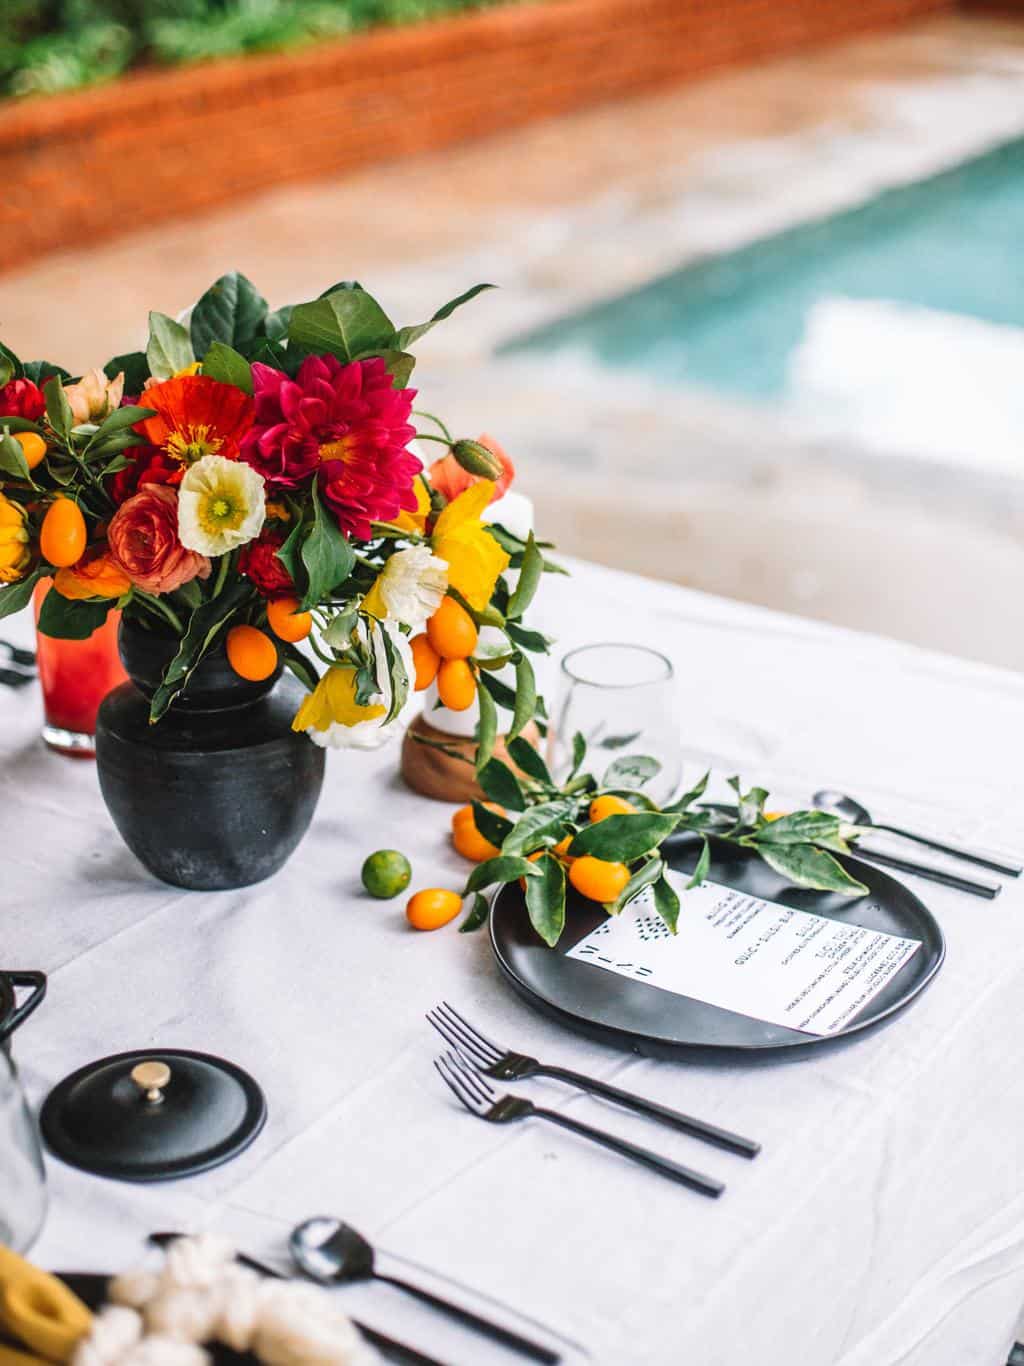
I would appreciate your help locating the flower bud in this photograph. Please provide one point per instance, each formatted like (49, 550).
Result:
(475, 458)
(94, 397)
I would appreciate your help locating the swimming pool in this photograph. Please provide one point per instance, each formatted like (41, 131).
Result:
(953, 243)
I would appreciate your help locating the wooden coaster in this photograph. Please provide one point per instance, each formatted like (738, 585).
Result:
(434, 774)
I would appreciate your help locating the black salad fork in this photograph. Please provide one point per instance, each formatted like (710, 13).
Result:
(473, 1091)
(504, 1065)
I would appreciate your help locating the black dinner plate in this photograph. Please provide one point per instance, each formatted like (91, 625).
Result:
(659, 1023)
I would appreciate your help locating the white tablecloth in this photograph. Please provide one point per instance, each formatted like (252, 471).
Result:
(884, 1221)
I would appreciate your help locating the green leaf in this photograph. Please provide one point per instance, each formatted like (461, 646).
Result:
(15, 596)
(501, 785)
(703, 864)
(579, 752)
(12, 459)
(58, 410)
(624, 838)
(534, 641)
(688, 798)
(231, 311)
(487, 727)
(118, 421)
(632, 770)
(39, 371)
(204, 626)
(326, 554)
(804, 827)
(666, 902)
(500, 869)
(807, 866)
(524, 756)
(750, 808)
(477, 916)
(545, 899)
(529, 579)
(224, 363)
(275, 324)
(492, 826)
(20, 424)
(135, 368)
(289, 553)
(65, 619)
(10, 366)
(169, 349)
(526, 697)
(643, 877)
(406, 336)
(344, 324)
(538, 827)
(338, 633)
(397, 674)
(499, 690)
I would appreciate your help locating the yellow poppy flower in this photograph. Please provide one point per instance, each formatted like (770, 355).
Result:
(333, 700)
(474, 557)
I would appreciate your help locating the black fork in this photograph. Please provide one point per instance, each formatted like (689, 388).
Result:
(505, 1065)
(472, 1090)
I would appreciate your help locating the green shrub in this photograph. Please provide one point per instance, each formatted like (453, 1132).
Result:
(52, 45)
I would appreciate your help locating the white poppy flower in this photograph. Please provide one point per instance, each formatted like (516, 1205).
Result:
(221, 505)
(410, 587)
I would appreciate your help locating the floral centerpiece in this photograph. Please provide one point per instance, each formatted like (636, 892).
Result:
(246, 494)
(248, 480)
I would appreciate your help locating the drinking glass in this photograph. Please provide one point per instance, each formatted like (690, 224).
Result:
(622, 699)
(22, 1180)
(76, 676)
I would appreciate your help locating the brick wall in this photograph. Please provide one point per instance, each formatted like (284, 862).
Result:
(101, 162)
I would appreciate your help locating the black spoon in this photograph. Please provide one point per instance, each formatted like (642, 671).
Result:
(851, 810)
(330, 1251)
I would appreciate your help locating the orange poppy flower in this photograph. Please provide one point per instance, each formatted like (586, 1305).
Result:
(196, 416)
(95, 576)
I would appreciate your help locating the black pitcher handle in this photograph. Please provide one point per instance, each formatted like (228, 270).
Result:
(36, 981)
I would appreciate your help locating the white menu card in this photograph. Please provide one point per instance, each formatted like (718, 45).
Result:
(755, 957)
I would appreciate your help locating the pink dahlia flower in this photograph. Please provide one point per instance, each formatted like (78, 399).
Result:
(346, 423)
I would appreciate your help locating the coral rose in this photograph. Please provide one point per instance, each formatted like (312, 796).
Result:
(450, 479)
(259, 563)
(143, 540)
(22, 398)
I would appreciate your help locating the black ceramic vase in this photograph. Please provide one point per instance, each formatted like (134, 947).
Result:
(220, 791)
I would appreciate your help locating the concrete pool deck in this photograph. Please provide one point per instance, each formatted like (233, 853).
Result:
(678, 485)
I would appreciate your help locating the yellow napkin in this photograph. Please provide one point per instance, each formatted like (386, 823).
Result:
(39, 1311)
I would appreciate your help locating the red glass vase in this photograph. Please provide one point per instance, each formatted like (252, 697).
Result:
(76, 676)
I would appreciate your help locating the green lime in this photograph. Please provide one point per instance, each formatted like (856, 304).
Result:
(386, 873)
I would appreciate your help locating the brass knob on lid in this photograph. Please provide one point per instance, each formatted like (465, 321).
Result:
(151, 1078)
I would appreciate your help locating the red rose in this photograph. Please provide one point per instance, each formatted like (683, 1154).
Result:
(259, 562)
(22, 398)
(143, 540)
(148, 466)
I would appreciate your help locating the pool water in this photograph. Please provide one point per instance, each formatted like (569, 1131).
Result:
(953, 243)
